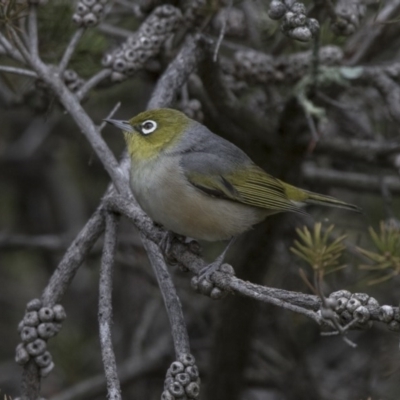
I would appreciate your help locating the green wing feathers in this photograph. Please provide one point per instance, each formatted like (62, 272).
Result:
(257, 188)
(252, 186)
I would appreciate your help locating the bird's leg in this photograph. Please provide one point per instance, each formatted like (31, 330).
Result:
(214, 266)
(167, 241)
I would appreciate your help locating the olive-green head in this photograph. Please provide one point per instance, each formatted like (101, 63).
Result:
(152, 132)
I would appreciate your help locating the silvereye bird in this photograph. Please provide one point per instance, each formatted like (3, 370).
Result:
(199, 185)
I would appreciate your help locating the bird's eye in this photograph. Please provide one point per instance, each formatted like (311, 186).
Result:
(148, 127)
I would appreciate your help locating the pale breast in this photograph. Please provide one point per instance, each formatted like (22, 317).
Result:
(163, 192)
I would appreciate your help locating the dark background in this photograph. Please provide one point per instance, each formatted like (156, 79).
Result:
(51, 182)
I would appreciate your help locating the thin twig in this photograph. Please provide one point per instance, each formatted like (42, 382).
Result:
(105, 308)
(222, 32)
(21, 47)
(92, 82)
(10, 49)
(33, 31)
(110, 115)
(69, 51)
(249, 291)
(22, 23)
(18, 71)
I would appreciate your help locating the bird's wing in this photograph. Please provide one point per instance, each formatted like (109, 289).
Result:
(242, 182)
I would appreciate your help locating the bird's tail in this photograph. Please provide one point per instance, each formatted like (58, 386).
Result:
(320, 199)
(301, 196)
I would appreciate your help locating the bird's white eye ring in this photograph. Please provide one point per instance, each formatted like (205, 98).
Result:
(148, 127)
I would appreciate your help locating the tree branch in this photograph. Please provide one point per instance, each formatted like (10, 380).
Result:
(33, 31)
(92, 82)
(21, 47)
(69, 51)
(105, 308)
(10, 49)
(18, 71)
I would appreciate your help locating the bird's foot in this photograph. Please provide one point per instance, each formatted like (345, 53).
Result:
(170, 238)
(201, 284)
(207, 271)
(166, 245)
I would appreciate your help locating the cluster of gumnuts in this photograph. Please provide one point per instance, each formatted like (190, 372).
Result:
(182, 380)
(360, 307)
(349, 14)
(294, 20)
(39, 324)
(89, 12)
(143, 44)
(255, 67)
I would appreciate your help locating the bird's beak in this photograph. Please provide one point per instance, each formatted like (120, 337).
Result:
(123, 125)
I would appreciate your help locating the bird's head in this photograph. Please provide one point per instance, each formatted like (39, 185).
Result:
(152, 132)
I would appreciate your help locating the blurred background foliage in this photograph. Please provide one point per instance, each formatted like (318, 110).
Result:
(51, 182)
